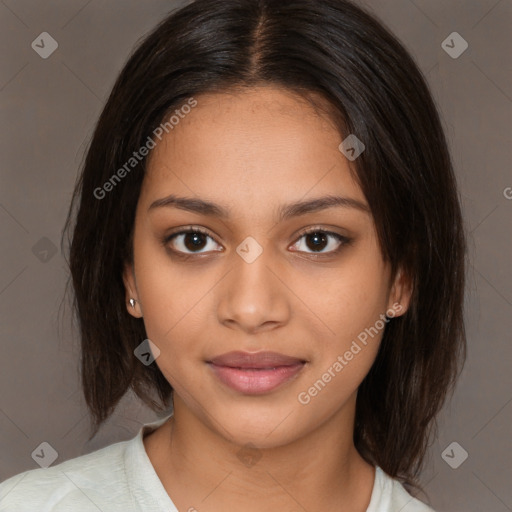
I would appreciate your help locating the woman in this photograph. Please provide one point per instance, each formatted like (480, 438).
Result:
(267, 238)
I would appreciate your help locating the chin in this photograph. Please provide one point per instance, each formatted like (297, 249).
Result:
(260, 427)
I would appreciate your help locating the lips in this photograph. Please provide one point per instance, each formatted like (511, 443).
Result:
(256, 361)
(255, 374)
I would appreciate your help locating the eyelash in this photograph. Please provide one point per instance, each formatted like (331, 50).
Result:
(344, 241)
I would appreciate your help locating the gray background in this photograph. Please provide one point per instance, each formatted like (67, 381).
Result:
(49, 107)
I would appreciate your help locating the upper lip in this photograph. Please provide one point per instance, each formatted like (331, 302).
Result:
(254, 360)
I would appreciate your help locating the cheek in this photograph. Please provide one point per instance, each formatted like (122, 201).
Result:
(171, 319)
(175, 303)
(170, 310)
(350, 301)
(351, 332)
(348, 343)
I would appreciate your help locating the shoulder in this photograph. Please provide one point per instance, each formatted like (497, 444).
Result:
(392, 496)
(84, 483)
(403, 501)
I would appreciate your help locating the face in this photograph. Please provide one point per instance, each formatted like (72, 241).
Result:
(237, 268)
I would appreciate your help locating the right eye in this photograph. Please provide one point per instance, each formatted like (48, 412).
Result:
(190, 241)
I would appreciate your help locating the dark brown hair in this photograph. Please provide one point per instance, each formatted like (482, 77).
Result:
(339, 52)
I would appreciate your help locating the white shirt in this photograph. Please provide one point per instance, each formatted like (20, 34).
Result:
(120, 478)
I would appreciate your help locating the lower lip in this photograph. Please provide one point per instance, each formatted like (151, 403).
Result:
(251, 381)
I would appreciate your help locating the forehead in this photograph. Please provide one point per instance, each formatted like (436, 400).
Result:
(263, 142)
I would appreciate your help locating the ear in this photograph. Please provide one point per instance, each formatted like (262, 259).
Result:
(131, 291)
(400, 294)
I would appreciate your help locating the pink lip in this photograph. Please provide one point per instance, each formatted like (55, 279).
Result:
(255, 373)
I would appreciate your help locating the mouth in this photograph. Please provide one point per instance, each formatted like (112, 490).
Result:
(255, 373)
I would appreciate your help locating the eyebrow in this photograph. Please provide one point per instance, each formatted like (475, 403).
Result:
(286, 211)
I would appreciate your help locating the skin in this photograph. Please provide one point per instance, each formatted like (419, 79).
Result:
(250, 152)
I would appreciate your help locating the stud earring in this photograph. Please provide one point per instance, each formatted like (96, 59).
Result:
(132, 303)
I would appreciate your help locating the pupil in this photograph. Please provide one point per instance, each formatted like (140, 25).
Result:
(197, 243)
(319, 239)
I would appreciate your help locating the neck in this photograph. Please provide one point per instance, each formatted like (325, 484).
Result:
(201, 469)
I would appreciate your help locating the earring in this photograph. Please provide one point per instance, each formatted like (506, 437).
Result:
(132, 303)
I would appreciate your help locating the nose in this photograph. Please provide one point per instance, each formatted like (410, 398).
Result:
(253, 297)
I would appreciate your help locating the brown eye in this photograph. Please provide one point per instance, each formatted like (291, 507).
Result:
(318, 240)
(192, 241)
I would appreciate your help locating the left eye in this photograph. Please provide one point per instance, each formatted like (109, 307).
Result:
(318, 240)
